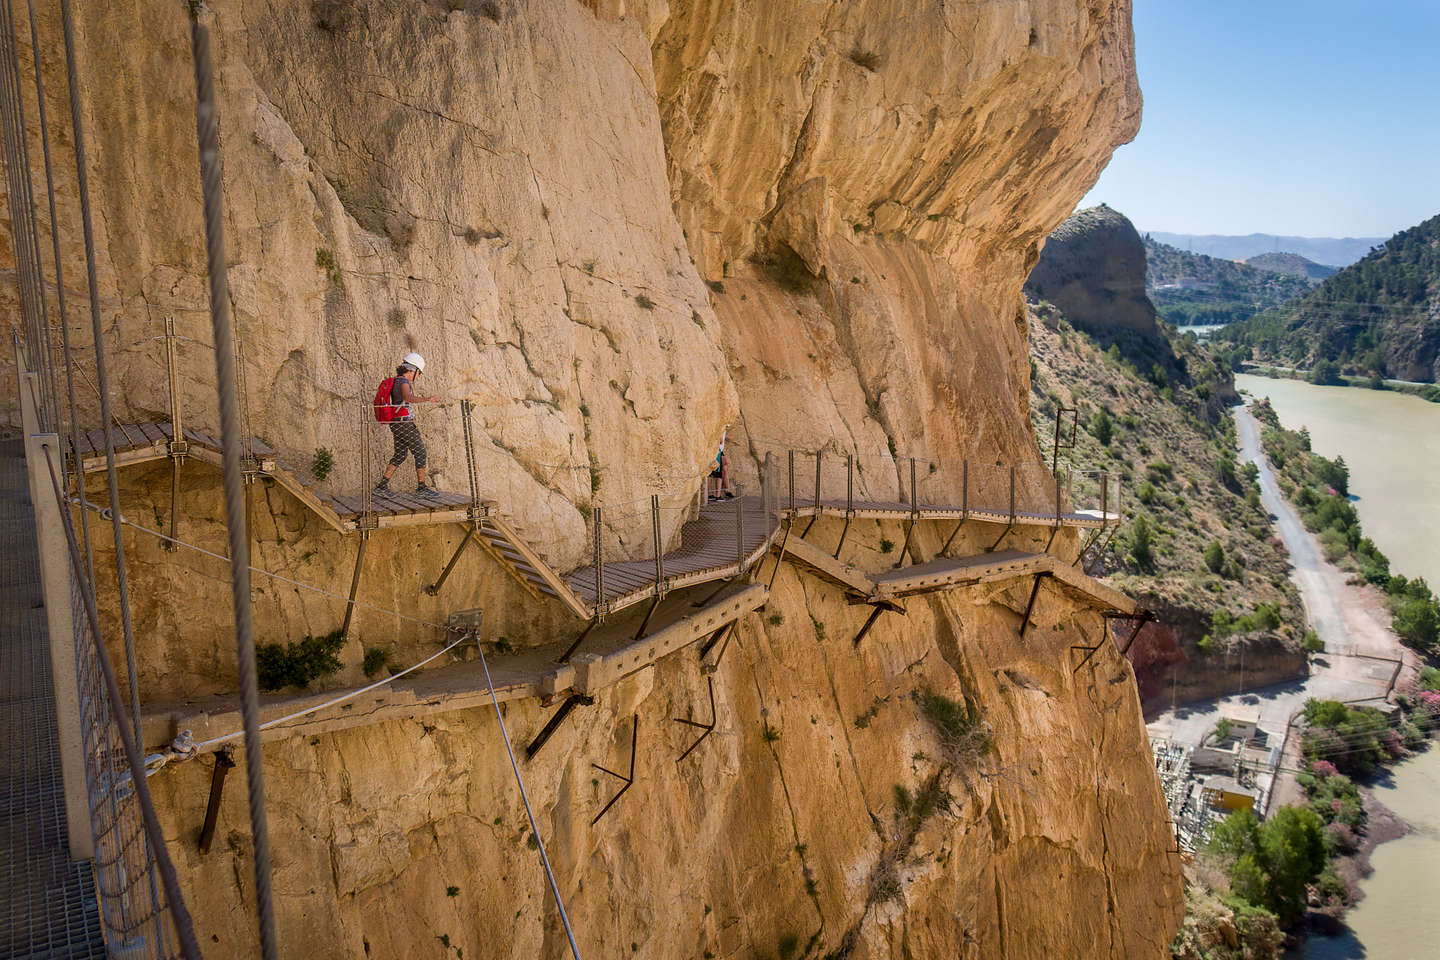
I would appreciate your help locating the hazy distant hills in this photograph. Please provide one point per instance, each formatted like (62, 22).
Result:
(1380, 316)
(1190, 288)
(1334, 251)
(1293, 264)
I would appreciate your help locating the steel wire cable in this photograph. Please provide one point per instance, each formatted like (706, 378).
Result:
(67, 352)
(179, 914)
(525, 798)
(101, 373)
(208, 135)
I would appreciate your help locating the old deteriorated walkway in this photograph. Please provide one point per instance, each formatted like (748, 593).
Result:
(48, 906)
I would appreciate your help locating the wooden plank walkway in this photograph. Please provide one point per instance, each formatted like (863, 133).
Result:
(712, 547)
(610, 654)
(149, 441)
(985, 513)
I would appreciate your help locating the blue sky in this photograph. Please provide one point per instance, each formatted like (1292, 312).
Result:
(1318, 118)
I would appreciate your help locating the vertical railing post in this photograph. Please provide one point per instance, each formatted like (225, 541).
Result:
(599, 566)
(367, 486)
(965, 490)
(792, 484)
(659, 547)
(849, 485)
(739, 536)
(178, 446)
(1104, 494)
(818, 455)
(1012, 495)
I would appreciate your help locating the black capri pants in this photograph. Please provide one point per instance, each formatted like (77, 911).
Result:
(407, 441)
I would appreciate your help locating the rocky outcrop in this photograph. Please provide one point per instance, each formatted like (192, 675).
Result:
(1093, 269)
(617, 227)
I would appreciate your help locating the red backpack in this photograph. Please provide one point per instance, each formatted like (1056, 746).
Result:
(385, 411)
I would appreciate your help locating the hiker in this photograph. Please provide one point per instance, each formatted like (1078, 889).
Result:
(394, 404)
(721, 473)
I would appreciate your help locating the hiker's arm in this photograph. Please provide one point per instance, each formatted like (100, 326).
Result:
(408, 395)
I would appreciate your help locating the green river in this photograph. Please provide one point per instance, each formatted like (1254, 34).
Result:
(1391, 442)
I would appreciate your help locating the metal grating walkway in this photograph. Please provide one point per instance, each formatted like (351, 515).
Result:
(48, 906)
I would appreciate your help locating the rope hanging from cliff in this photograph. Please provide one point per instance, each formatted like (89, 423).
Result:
(534, 827)
(208, 133)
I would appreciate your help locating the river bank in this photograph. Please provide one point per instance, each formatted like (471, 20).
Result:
(1392, 446)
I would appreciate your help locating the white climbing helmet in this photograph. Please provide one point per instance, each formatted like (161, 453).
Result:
(414, 360)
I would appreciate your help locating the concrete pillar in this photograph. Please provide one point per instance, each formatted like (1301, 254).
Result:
(42, 451)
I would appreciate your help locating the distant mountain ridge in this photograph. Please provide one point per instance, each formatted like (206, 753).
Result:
(1192, 288)
(1292, 264)
(1330, 251)
(1378, 317)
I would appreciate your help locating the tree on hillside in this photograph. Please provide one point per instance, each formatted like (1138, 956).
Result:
(1102, 427)
(1271, 864)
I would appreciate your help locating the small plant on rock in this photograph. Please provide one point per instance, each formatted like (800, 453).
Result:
(323, 463)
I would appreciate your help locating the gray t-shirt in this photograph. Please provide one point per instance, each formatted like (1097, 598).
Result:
(407, 412)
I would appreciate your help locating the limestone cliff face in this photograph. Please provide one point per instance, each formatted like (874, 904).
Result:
(617, 227)
(1093, 269)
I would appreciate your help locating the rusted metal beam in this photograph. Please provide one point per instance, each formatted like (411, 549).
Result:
(224, 760)
(869, 622)
(434, 588)
(849, 502)
(1030, 606)
(634, 739)
(570, 650)
(354, 583)
(707, 727)
(553, 724)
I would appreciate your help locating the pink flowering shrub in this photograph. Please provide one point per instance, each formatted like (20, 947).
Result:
(1323, 768)
(1341, 837)
(1393, 743)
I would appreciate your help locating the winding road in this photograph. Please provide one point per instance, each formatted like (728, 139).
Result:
(1360, 651)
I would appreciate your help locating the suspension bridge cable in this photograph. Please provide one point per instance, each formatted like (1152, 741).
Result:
(534, 827)
(101, 374)
(179, 914)
(208, 134)
(67, 352)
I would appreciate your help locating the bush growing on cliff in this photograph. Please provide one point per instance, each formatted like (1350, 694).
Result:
(962, 733)
(296, 664)
(1215, 556)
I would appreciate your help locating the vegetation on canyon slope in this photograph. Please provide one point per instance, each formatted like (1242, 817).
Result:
(1380, 316)
(1197, 538)
(1189, 288)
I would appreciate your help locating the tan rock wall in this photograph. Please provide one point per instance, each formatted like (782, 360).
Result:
(1054, 845)
(534, 194)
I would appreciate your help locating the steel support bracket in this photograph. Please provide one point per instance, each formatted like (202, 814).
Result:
(1030, 606)
(869, 622)
(224, 760)
(634, 738)
(553, 724)
(707, 727)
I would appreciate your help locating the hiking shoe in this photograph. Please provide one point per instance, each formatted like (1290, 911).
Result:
(382, 489)
(423, 490)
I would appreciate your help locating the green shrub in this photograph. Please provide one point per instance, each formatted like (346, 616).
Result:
(1102, 428)
(958, 725)
(1430, 679)
(322, 463)
(296, 664)
(1312, 642)
(1272, 864)
(1215, 556)
(325, 260)
(1142, 539)
(1418, 623)
(376, 659)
